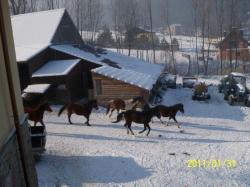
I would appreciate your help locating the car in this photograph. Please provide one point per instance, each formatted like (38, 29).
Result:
(170, 80)
(234, 88)
(188, 82)
(222, 84)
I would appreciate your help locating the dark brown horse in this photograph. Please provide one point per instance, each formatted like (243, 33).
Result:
(36, 114)
(119, 104)
(170, 111)
(79, 109)
(143, 117)
(35, 104)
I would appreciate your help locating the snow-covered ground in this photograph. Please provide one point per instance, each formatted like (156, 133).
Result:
(104, 155)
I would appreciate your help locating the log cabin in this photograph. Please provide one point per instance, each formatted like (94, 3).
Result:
(113, 83)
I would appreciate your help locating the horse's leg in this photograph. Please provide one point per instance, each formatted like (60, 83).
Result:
(162, 121)
(42, 123)
(87, 122)
(111, 112)
(126, 125)
(148, 129)
(145, 128)
(129, 126)
(69, 117)
(178, 125)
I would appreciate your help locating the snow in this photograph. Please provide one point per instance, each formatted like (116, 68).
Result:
(121, 60)
(24, 53)
(37, 27)
(104, 155)
(33, 32)
(56, 68)
(134, 78)
(37, 88)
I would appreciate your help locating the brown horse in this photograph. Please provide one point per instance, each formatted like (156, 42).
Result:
(36, 115)
(79, 109)
(119, 104)
(143, 117)
(170, 111)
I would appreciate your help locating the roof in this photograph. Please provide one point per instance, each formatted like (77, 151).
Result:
(56, 68)
(102, 57)
(37, 88)
(234, 35)
(236, 74)
(24, 53)
(33, 31)
(141, 80)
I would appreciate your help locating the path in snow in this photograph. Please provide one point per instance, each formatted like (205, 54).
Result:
(104, 155)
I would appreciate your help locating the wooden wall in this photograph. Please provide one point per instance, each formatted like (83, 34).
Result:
(113, 89)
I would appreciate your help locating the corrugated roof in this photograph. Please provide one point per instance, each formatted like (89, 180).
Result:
(120, 60)
(141, 80)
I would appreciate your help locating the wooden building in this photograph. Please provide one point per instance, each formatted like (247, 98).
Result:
(113, 83)
(234, 47)
(50, 44)
(34, 33)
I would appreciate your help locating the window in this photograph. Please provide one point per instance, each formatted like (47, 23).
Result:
(98, 87)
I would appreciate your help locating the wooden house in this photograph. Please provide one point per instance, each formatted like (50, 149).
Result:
(233, 47)
(113, 83)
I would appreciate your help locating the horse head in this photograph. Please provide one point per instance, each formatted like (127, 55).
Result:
(137, 99)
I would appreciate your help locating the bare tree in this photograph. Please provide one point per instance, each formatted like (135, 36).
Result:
(195, 4)
(117, 20)
(18, 6)
(129, 20)
(165, 6)
(220, 5)
(149, 7)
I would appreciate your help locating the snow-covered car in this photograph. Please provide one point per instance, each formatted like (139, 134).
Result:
(169, 81)
(235, 89)
(188, 82)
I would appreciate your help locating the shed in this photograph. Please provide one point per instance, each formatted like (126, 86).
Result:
(113, 83)
(64, 75)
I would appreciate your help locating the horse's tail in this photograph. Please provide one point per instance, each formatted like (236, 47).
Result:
(119, 117)
(62, 109)
(108, 108)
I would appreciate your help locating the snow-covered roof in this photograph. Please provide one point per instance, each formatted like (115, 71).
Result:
(102, 56)
(33, 31)
(141, 80)
(237, 74)
(24, 53)
(56, 68)
(37, 88)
